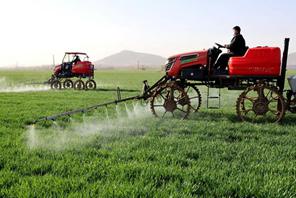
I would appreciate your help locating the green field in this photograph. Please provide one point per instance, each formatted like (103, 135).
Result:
(126, 152)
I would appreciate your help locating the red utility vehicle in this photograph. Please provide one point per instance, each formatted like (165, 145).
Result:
(74, 65)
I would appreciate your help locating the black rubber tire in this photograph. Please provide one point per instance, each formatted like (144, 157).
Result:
(90, 85)
(68, 84)
(79, 85)
(56, 84)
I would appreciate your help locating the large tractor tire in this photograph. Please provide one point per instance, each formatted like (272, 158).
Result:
(79, 85)
(68, 84)
(90, 85)
(261, 103)
(56, 84)
(170, 100)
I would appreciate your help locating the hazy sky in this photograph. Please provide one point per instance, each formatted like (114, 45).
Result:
(33, 30)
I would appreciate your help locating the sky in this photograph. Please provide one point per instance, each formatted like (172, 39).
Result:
(32, 31)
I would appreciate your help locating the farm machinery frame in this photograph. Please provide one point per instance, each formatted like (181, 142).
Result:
(260, 73)
(74, 65)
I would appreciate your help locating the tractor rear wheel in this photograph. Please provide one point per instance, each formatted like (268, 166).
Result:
(261, 103)
(90, 85)
(170, 100)
(194, 97)
(79, 85)
(56, 84)
(68, 84)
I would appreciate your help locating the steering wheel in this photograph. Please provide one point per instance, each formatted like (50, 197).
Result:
(219, 45)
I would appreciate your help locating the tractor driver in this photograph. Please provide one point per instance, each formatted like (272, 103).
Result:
(76, 60)
(237, 47)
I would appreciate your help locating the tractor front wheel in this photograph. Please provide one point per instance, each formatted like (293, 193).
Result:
(56, 84)
(79, 85)
(68, 84)
(170, 100)
(90, 85)
(194, 97)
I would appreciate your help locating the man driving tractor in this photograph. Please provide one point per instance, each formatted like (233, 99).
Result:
(237, 47)
(76, 59)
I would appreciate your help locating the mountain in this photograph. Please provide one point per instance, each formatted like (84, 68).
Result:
(292, 59)
(128, 58)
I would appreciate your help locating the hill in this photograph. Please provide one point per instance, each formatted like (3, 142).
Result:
(128, 58)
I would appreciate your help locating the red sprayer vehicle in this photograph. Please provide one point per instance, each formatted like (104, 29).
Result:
(74, 65)
(260, 73)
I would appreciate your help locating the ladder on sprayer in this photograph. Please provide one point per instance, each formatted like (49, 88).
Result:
(216, 96)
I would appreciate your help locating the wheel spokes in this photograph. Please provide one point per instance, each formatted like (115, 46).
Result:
(194, 97)
(275, 112)
(173, 100)
(158, 105)
(247, 111)
(252, 99)
(164, 114)
(181, 110)
(266, 106)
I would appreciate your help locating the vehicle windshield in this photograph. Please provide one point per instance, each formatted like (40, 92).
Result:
(72, 57)
(169, 63)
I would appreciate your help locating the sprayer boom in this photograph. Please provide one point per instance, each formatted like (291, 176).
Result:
(147, 93)
(84, 110)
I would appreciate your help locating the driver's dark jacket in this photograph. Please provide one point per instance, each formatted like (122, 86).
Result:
(237, 46)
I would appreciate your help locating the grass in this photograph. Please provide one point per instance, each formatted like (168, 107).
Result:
(209, 155)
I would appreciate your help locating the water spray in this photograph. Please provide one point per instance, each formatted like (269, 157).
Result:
(6, 87)
(147, 93)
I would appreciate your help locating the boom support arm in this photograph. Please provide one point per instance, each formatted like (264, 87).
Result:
(282, 78)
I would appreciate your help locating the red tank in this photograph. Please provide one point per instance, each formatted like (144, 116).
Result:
(259, 61)
(82, 69)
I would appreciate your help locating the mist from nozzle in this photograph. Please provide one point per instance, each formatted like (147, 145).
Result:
(126, 120)
(6, 87)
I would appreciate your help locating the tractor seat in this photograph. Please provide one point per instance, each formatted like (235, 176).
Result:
(245, 50)
(219, 72)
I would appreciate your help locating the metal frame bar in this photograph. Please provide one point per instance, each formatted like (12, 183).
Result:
(282, 78)
(84, 110)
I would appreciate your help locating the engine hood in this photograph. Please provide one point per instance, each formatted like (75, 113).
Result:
(187, 53)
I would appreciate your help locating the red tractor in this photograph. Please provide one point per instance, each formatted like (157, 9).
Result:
(259, 72)
(74, 65)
